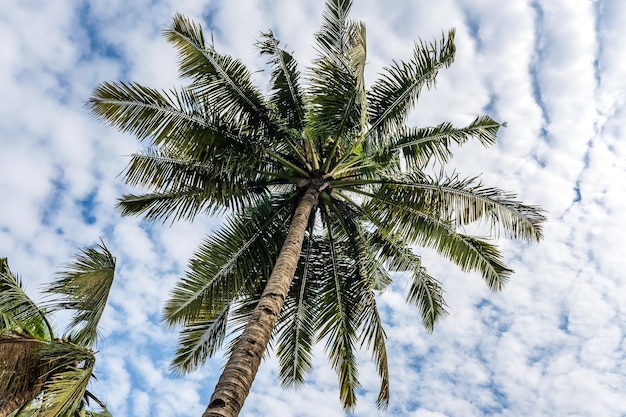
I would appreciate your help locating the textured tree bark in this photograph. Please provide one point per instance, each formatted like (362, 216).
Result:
(19, 400)
(20, 372)
(234, 384)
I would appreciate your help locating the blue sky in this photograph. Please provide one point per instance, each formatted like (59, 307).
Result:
(551, 344)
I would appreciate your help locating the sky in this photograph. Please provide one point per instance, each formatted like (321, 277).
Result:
(552, 343)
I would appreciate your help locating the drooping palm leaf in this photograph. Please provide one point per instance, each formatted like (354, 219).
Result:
(369, 275)
(200, 340)
(84, 287)
(67, 381)
(466, 201)
(339, 320)
(18, 313)
(225, 262)
(296, 326)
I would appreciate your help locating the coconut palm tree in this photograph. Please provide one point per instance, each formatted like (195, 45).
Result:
(326, 191)
(42, 375)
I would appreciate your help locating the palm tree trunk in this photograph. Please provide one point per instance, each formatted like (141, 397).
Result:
(17, 401)
(20, 373)
(234, 384)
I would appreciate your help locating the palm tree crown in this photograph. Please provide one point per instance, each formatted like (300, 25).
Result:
(327, 193)
(42, 375)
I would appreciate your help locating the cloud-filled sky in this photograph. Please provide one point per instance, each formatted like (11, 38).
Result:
(552, 343)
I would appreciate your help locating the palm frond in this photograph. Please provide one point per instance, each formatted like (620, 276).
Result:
(287, 97)
(199, 340)
(18, 313)
(332, 40)
(64, 391)
(296, 324)
(243, 250)
(467, 201)
(369, 274)
(182, 187)
(358, 59)
(104, 412)
(425, 228)
(337, 87)
(338, 320)
(84, 287)
(146, 112)
(333, 104)
(222, 80)
(394, 94)
(426, 293)
(419, 146)
(374, 338)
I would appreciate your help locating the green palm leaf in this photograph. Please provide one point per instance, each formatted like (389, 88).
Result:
(182, 187)
(426, 293)
(374, 338)
(223, 81)
(84, 287)
(69, 376)
(369, 275)
(199, 340)
(332, 40)
(287, 98)
(224, 263)
(394, 94)
(147, 112)
(421, 145)
(296, 325)
(467, 201)
(425, 229)
(338, 321)
(18, 313)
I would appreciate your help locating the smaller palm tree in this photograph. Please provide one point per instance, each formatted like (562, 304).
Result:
(40, 374)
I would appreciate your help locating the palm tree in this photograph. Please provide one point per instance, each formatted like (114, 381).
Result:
(326, 192)
(42, 375)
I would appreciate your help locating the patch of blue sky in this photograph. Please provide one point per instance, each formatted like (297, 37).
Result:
(491, 107)
(88, 207)
(473, 29)
(496, 404)
(534, 73)
(564, 322)
(210, 21)
(541, 355)
(91, 35)
(493, 316)
(52, 204)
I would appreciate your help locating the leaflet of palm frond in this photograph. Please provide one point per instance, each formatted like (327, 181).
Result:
(84, 288)
(18, 313)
